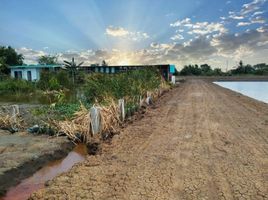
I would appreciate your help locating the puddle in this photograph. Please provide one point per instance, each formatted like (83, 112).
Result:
(48, 172)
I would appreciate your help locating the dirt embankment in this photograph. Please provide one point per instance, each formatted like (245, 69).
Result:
(200, 142)
(22, 154)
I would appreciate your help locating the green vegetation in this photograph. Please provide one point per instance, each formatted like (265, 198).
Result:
(8, 57)
(259, 69)
(100, 87)
(54, 80)
(57, 111)
(58, 89)
(48, 60)
(15, 86)
(103, 88)
(48, 81)
(73, 68)
(241, 69)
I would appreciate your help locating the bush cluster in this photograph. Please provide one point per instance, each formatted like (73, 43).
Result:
(99, 87)
(54, 81)
(12, 86)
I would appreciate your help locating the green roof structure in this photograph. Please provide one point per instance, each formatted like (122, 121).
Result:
(34, 66)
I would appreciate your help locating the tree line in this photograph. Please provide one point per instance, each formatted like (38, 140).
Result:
(241, 69)
(9, 57)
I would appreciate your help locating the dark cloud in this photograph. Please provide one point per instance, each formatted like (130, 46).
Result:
(252, 39)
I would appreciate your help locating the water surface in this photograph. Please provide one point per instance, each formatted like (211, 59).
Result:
(71, 96)
(254, 89)
(23, 190)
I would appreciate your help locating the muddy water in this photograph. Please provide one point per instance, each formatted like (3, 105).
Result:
(48, 172)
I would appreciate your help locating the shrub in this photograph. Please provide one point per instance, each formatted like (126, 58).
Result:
(100, 87)
(63, 79)
(11, 85)
(54, 80)
(53, 84)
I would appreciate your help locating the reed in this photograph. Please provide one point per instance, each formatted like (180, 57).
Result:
(105, 90)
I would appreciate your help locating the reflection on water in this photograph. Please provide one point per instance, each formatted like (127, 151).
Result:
(48, 172)
(257, 89)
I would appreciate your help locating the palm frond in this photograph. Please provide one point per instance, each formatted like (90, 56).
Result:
(67, 62)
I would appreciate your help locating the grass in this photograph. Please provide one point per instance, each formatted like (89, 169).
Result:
(57, 111)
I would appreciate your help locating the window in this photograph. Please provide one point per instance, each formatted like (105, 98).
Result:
(18, 74)
(107, 70)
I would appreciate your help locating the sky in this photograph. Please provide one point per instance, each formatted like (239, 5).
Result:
(217, 32)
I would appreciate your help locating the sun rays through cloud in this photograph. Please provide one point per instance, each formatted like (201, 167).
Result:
(138, 31)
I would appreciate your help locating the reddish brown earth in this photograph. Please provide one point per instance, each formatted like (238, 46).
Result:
(200, 142)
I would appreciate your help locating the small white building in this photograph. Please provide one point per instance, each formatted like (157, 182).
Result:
(30, 72)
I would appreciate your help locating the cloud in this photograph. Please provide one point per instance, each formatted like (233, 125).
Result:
(234, 15)
(116, 31)
(247, 11)
(243, 24)
(258, 20)
(230, 44)
(177, 37)
(200, 28)
(120, 32)
(228, 2)
(30, 56)
(258, 13)
(204, 28)
(184, 22)
(203, 48)
(252, 6)
(198, 48)
(180, 31)
(263, 29)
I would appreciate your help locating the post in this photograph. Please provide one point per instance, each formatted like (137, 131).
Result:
(121, 105)
(95, 120)
(173, 80)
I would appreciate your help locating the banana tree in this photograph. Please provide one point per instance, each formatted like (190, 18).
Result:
(72, 67)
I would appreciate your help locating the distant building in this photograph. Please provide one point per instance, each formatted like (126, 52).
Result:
(31, 72)
(166, 70)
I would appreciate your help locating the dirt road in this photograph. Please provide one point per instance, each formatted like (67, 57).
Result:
(201, 142)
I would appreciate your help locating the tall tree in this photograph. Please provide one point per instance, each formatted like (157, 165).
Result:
(48, 60)
(72, 67)
(206, 69)
(9, 57)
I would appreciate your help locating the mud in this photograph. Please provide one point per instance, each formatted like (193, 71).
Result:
(200, 142)
(41, 178)
(22, 154)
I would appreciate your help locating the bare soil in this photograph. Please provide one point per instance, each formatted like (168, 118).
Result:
(22, 154)
(201, 141)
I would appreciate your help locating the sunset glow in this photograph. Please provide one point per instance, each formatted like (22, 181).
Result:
(178, 32)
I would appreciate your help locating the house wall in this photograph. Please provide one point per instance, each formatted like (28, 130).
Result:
(35, 73)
